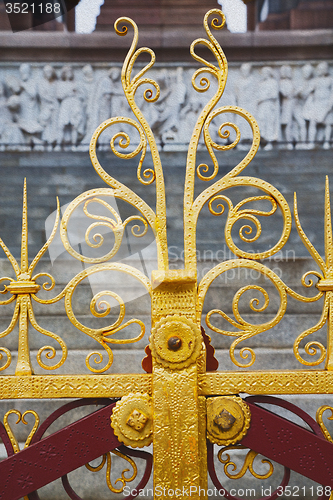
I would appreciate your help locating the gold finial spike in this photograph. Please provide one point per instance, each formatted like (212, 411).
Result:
(328, 229)
(24, 241)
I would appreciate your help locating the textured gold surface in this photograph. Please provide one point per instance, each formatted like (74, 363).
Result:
(73, 386)
(228, 419)
(266, 382)
(131, 420)
(176, 430)
(185, 332)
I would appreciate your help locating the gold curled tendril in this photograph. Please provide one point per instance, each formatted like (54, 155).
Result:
(104, 334)
(236, 214)
(319, 418)
(248, 463)
(49, 351)
(312, 346)
(4, 350)
(244, 329)
(20, 418)
(46, 285)
(113, 223)
(4, 291)
(122, 479)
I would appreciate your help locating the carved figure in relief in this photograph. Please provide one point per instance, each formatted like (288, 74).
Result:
(49, 104)
(286, 105)
(12, 135)
(246, 97)
(169, 117)
(111, 103)
(268, 107)
(321, 115)
(28, 115)
(302, 105)
(71, 113)
(91, 109)
(5, 113)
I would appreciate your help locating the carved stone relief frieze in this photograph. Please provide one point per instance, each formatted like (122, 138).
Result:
(55, 107)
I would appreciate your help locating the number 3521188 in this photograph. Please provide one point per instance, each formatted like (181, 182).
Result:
(40, 8)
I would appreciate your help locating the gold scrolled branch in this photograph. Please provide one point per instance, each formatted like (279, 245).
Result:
(193, 207)
(244, 329)
(247, 466)
(130, 85)
(104, 334)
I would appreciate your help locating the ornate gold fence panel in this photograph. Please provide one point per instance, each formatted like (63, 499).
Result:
(181, 404)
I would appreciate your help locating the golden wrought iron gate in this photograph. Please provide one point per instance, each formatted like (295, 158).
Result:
(182, 399)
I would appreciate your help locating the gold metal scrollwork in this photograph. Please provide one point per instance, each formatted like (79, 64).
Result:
(248, 463)
(20, 418)
(319, 418)
(106, 459)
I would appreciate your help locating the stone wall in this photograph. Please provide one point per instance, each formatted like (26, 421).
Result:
(48, 107)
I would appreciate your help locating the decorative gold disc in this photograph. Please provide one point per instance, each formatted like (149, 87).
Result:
(228, 419)
(175, 342)
(132, 420)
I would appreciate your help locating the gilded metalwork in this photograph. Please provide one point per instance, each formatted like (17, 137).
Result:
(23, 289)
(230, 467)
(175, 342)
(168, 407)
(319, 418)
(20, 418)
(228, 420)
(123, 480)
(132, 420)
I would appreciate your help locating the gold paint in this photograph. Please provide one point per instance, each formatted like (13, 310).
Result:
(266, 382)
(187, 335)
(228, 420)
(131, 420)
(122, 479)
(137, 420)
(319, 418)
(20, 418)
(73, 386)
(177, 458)
(248, 464)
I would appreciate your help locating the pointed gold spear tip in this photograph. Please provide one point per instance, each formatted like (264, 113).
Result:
(328, 227)
(24, 241)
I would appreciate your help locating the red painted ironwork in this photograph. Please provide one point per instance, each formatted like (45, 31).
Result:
(278, 439)
(289, 444)
(47, 459)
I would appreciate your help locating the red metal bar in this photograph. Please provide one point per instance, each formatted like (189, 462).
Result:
(57, 455)
(289, 444)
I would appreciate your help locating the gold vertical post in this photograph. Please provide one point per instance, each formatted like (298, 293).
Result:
(179, 436)
(23, 366)
(329, 274)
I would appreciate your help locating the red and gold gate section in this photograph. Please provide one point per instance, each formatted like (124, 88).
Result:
(182, 404)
